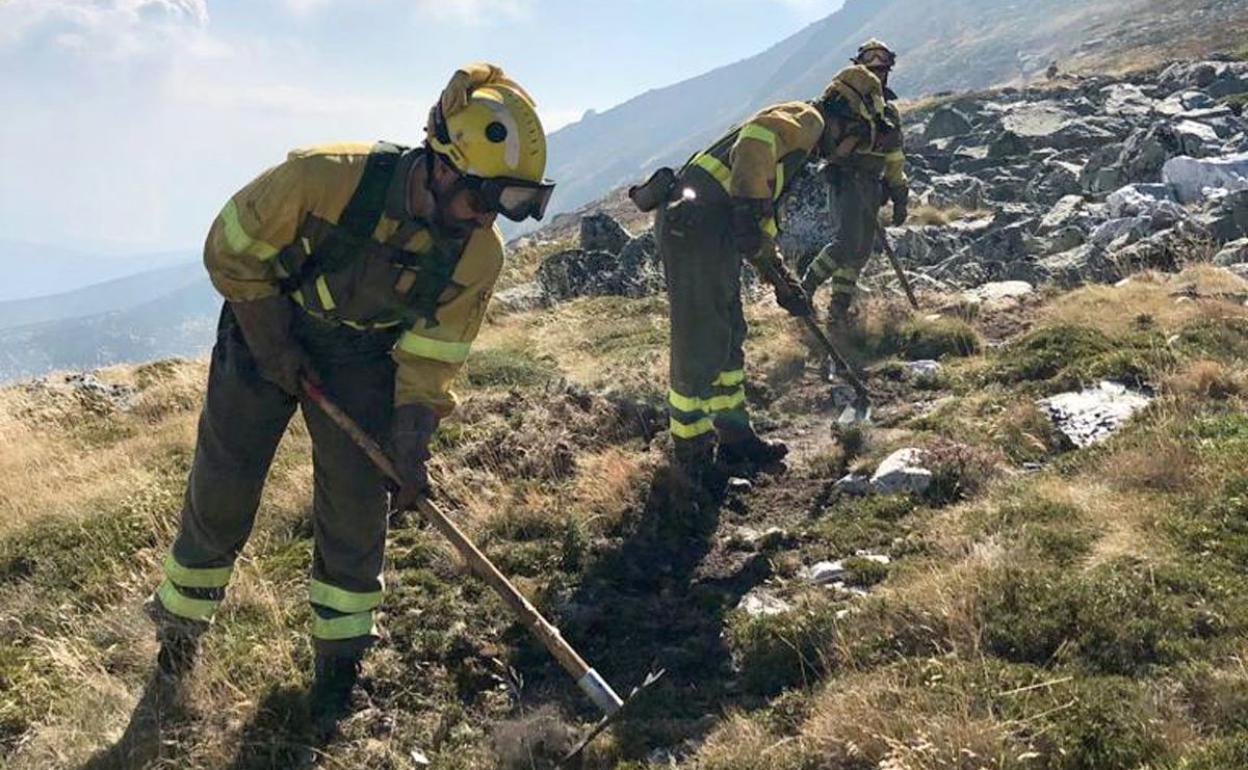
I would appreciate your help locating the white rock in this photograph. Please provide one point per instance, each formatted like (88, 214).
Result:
(1122, 229)
(1127, 100)
(1136, 200)
(825, 572)
(902, 472)
(1192, 131)
(923, 368)
(855, 484)
(1093, 415)
(1063, 213)
(1191, 177)
(760, 604)
(1233, 253)
(878, 558)
(998, 291)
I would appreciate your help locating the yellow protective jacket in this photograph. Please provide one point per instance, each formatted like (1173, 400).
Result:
(760, 158)
(887, 150)
(854, 137)
(287, 232)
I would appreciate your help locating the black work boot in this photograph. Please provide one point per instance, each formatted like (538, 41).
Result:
(178, 638)
(335, 695)
(742, 452)
(695, 459)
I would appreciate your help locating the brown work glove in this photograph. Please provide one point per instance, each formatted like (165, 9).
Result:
(901, 204)
(410, 432)
(266, 325)
(790, 295)
(789, 292)
(747, 225)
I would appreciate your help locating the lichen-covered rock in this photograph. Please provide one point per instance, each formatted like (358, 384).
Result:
(1191, 178)
(600, 232)
(1093, 415)
(902, 472)
(947, 122)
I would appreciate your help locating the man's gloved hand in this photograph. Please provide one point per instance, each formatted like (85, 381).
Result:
(901, 204)
(455, 94)
(266, 327)
(410, 432)
(791, 296)
(747, 225)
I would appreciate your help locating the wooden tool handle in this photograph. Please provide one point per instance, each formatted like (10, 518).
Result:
(860, 387)
(899, 270)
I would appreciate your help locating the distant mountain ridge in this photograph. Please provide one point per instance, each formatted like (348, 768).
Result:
(116, 294)
(178, 322)
(943, 45)
(38, 270)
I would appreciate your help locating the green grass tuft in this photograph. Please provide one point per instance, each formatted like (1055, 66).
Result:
(776, 652)
(506, 368)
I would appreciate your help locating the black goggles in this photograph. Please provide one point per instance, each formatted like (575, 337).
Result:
(516, 199)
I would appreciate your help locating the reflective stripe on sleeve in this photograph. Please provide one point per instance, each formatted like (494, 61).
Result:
(730, 377)
(437, 350)
(753, 131)
(715, 168)
(322, 293)
(237, 238)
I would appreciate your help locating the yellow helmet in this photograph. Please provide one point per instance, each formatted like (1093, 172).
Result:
(496, 142)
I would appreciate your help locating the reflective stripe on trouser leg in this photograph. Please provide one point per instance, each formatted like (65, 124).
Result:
(190, 592)
(341, 614)
(688, 416)
(727, 402)
(243, 419)
(820, 267)
(845, 280)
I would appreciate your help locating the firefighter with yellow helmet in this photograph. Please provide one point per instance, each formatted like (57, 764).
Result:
(365, 269)
(724, 207)
(858, 184)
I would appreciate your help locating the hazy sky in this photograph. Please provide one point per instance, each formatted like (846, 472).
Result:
(127, 123)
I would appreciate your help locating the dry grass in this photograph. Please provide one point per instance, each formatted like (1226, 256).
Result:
(544, 474)
(1205, 379)
(1151, 300)
(940, 216)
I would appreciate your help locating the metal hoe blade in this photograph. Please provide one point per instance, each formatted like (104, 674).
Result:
(610, 719)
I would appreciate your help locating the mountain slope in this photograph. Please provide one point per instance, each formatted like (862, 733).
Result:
(1040, 606)
(962, 44)
(117, 294)
(36, 269)
(178, 322)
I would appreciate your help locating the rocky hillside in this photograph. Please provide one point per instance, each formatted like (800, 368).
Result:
(1080, 178)
(947, 45)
